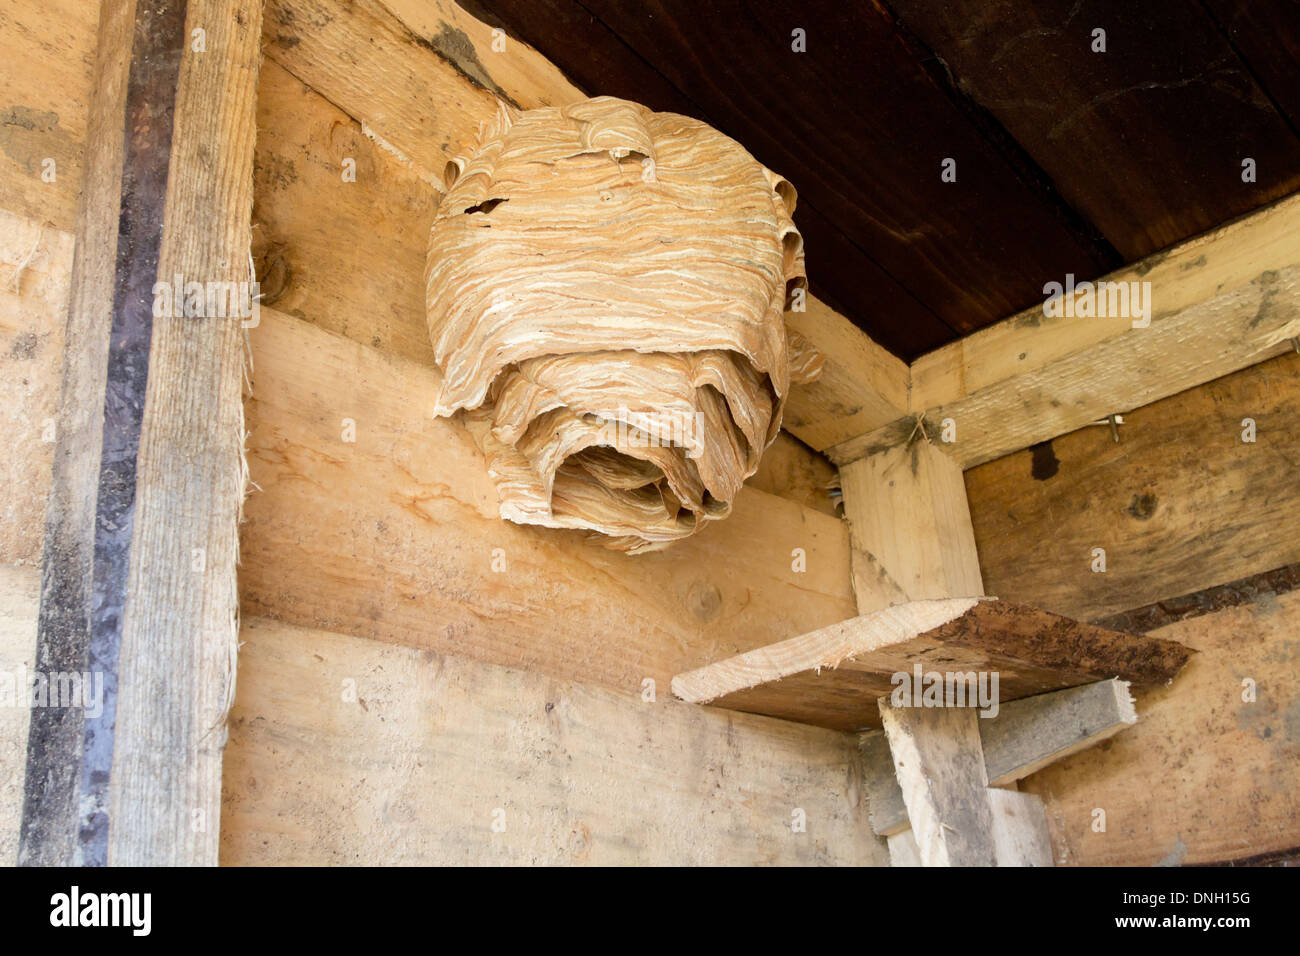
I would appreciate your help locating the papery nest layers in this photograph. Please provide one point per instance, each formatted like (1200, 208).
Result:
(606, 289)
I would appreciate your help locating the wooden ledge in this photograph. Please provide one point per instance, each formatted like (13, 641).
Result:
(833, 676)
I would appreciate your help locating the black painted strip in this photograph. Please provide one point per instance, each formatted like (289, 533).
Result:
(70, 748)
(156, 52)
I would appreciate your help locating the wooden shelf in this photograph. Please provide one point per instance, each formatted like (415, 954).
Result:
(833, 676)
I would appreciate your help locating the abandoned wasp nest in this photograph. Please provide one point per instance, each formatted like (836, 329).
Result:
(606, 289)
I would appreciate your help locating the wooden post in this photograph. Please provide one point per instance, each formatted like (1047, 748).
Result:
(913, 540)
(1026, 736)
(940, 768)
(912, 534)
(138, 588)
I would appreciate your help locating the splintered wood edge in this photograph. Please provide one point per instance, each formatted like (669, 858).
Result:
(824, 648)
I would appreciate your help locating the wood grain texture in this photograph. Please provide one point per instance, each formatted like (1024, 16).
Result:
(1181, 503)
(1025, 736)
(35, 278)
(1203, 776)
(885, 807)
(323, 244)
(55, 736)
(20, 590)
(1220, 302)
(393, 87)
(1020, 834)
(903, 850)
(161, 399)
(1266, 35)
(936, 758)
(45, 107)
(1032, 733)
(310, 264)
(412, 769)
(395, 536)
(179, 634)
(307, 138)
(605, 293)
(861, 386)
(789, 469)
(832, 677)
(1233, 594)
(912, 537)
(492, 58)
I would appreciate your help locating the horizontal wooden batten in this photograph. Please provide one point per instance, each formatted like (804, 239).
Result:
(833, 677)
(1219, 302)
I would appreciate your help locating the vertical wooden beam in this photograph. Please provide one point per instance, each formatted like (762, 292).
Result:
(912, 534)
(1020, 836)
(903, 850)
(138, 585)
(912, 540)
(52, 784)
(940, 768)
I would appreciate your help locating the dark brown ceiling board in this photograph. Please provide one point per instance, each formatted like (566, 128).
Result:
(599, 62)
(861, 129)
(1011, 151)
(1147, 139)
(874, 300)
(1266, 35)
(859, 126)
(594, 57)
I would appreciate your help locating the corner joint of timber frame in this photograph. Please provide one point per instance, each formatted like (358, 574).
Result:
(917, 581)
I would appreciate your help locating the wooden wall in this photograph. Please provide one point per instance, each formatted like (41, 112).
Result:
(19, 596)
(345, 750)
(445, 760)
(1180, 503)
(1204, 776)
(372, 560)
(395, 535)
(1189, 514)
(394, 538)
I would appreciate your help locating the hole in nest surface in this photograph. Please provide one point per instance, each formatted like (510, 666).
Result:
(486, 206)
